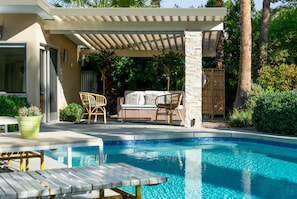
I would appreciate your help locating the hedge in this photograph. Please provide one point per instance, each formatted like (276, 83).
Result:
(276, 113)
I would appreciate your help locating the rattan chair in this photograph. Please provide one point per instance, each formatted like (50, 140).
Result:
(169, 103)
(93, 104)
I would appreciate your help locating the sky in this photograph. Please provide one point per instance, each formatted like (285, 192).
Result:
(197, 3)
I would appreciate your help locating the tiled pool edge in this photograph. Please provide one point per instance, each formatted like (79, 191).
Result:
(211, 133)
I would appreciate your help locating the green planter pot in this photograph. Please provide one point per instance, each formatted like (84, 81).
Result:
(29, 126)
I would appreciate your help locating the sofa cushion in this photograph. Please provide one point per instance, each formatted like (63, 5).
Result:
(134, 97)
(150, 97)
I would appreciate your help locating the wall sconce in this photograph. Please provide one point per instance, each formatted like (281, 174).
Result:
(1, 32)
(65, 55)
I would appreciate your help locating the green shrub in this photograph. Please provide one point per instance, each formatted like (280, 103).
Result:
(276, 113)
(256, 92)
(71, 113)
(10, 105)
(241, 118)
(278, 78)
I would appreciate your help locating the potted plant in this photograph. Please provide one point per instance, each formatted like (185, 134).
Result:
(29, 121)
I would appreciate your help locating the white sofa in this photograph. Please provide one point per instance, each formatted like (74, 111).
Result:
(140, 105)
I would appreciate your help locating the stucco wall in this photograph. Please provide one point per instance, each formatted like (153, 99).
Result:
(69, 72)
(27, 28)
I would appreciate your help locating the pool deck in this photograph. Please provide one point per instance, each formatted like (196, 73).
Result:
(118, 131)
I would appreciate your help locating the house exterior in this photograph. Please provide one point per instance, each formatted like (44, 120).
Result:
(41, 47)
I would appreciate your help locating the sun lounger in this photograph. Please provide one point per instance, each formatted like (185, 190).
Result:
(76, 180)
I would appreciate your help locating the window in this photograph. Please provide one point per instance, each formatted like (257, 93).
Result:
(13, 70)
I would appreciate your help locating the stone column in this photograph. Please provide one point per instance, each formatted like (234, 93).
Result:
(193, 79)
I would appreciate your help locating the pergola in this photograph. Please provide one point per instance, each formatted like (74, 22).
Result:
(140, 32)
(137, 31)
(129, 31)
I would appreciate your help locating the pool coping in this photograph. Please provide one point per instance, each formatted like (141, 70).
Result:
(220, 134)
(115, 131)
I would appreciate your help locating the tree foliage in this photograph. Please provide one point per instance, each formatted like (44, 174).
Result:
(103, 61)
(231, 50)
(283, 37)
(169, 62)
(278, 78)
(99, 3)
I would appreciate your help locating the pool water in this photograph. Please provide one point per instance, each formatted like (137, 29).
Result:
(204, 168)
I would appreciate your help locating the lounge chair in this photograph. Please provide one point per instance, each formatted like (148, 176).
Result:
(93, 104)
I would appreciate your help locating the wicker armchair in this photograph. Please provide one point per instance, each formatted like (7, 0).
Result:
(93, 104)
(169, 103)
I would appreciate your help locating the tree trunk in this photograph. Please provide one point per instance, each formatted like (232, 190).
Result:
(263, 41)
(168, 83)
(244, 79)
(103, 84)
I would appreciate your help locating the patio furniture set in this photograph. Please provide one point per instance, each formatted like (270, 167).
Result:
(149, 104)
(136, 105)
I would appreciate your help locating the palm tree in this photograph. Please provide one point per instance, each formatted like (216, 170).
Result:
(244, 80)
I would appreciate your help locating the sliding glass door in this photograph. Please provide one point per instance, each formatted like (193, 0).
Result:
(48, 83)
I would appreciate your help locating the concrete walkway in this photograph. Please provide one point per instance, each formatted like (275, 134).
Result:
(116, 130)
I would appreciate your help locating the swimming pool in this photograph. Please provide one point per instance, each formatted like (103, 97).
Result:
(204, 167)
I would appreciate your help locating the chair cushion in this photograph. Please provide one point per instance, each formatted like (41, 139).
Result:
(92, 100)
